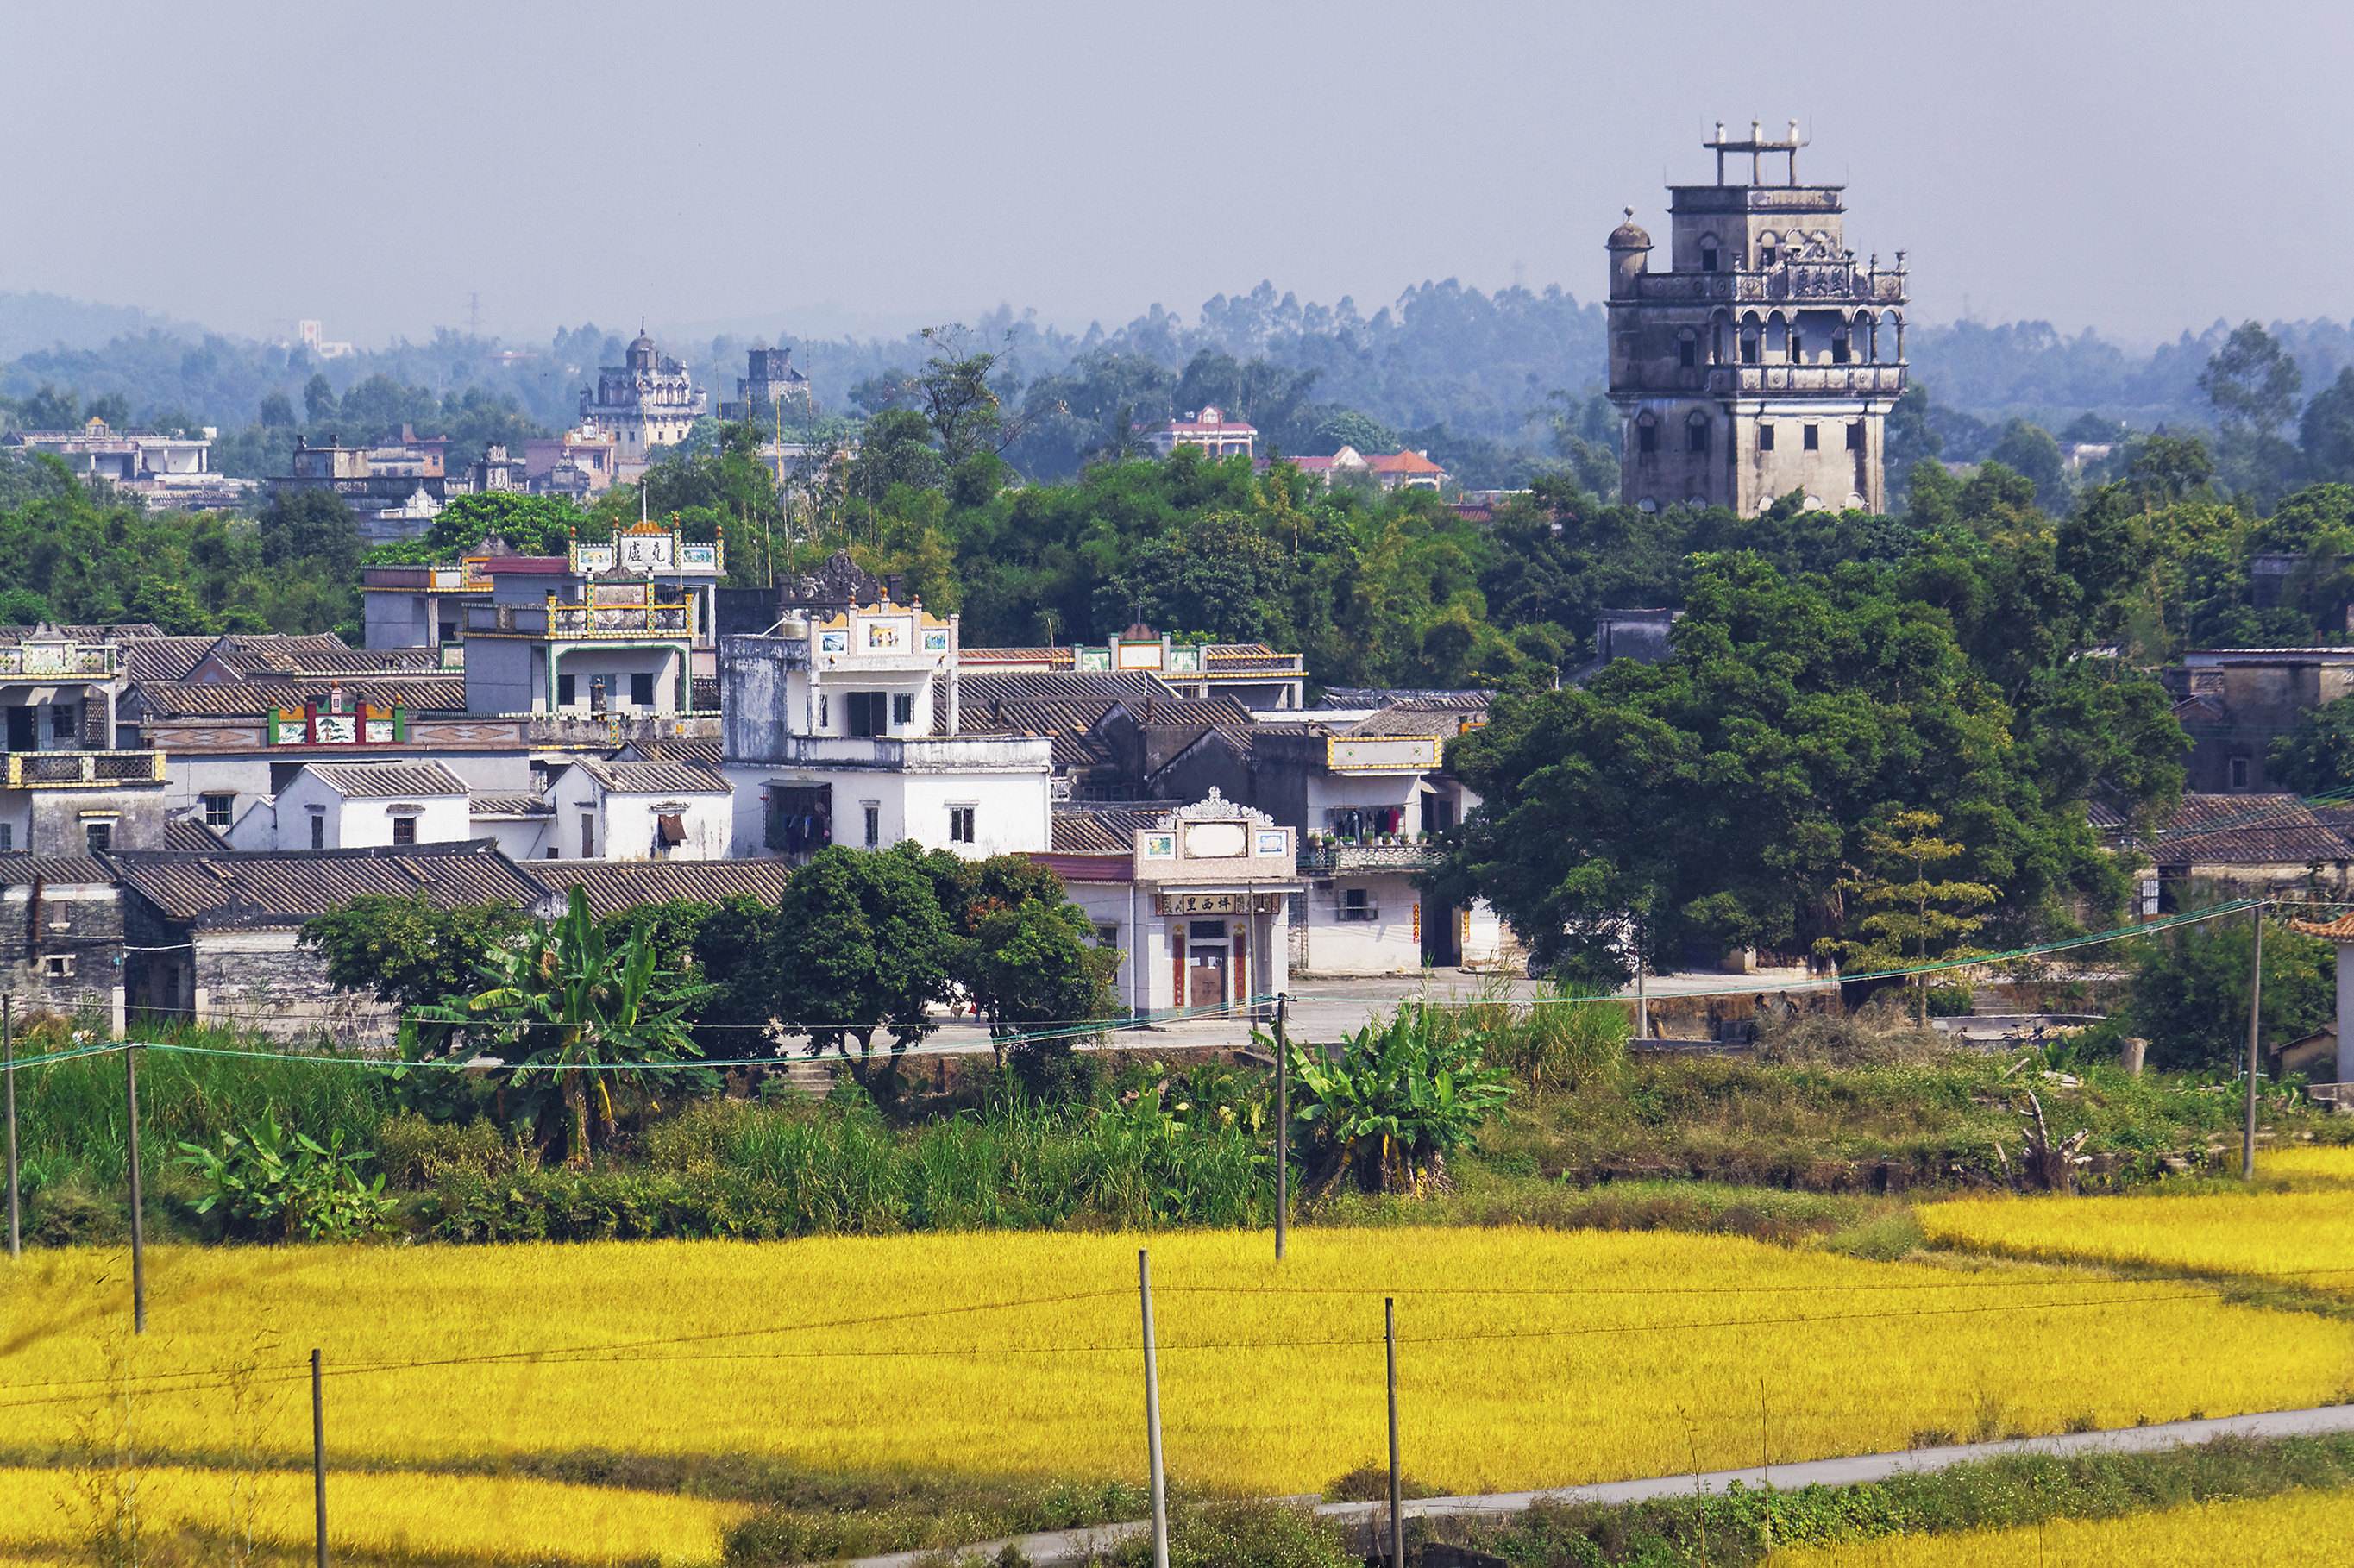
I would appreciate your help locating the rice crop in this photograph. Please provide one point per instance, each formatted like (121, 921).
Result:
(2298, 1528)
(2300, 1237)
(484, 1519)
(2308, 1164)
(1528, 1358)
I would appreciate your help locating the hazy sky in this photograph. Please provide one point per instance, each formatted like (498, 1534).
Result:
(2138, 167)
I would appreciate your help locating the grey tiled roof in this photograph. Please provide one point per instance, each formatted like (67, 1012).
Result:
(2246, 830)
(192, 837)
(509, 803)
(1103, 829)
(657, 777)
(677, 748)
(18, 868)
(282, 889)
(255, 698)
(613, 886)
(388, 780)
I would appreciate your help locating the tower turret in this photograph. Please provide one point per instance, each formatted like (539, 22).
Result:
(1764, 359)
(1630, 255)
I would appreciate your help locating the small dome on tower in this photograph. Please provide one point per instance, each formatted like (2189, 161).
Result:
(1629, 235)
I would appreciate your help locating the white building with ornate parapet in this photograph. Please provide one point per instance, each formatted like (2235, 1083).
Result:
(840, 725)
(1197, 898)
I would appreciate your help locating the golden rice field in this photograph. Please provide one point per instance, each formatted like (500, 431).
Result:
(1529, 1357)
(2302, 1236)
(485, 1518)
(2308, 1164)
(2292, 1530)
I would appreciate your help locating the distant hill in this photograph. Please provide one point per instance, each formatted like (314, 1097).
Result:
(30, 321)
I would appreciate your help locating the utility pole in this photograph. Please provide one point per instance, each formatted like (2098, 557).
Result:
(2256, 1009)
(138, 1218)
(1282, 1127)
(1398, 1489)
(318, 1461)
(1152, 1415)
(8, 1076)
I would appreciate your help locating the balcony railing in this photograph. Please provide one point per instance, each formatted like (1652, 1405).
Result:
(580, 621)
(50, 660)
(1794, 284)
(1331, 858)
(1855, 380)
(909, 754)
(82, 770)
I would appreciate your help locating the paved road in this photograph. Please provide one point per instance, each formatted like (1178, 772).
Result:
(1061, 1548)
(1326, 1008)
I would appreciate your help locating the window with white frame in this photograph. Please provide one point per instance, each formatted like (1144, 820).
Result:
(220, 811)
(961, 824)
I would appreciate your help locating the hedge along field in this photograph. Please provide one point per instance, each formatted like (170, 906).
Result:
(1530, 1358)
(483, 1519)
(2305, 1237)
(2300, 1528)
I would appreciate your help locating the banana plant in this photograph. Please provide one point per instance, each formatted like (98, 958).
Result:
(1400, 1097)
(582, 1014)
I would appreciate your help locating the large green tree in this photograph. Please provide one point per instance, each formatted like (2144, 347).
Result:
(1720, 800)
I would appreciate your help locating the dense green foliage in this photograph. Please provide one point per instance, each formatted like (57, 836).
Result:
(2188, 994)
(72, 555)
(1796, 717)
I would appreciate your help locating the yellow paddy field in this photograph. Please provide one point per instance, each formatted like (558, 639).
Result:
(1530, 1358)
(484, 1518)
(2304, 1236)
(2295, 1530)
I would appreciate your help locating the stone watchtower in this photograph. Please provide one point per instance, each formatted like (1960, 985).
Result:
(1763, 360)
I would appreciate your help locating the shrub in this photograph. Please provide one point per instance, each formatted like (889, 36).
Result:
(1951, 1000)
(269, 1186)
(1402, 1098)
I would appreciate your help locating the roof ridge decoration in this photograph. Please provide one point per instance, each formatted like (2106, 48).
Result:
(1215, 808)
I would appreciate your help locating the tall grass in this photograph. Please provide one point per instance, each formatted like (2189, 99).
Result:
(73, 1126)
(1015, 1165)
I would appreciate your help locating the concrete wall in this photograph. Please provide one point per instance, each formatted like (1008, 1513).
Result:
(266, 980)
(1011, 812)
(625, 823)
(188, 777)
(1325, 943)
(56, 818)
(76, 927)
(520, 839)
(505, 675)
(365, 823)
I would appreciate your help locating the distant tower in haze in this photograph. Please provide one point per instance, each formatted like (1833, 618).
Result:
(1765, 359)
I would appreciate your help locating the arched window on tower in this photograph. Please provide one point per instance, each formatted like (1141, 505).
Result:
(1839, 354)
(1687, 348)
(1696, 432)
(1777, 336)
(1708, 252)
(1749, 353)
(1769, 247)
(1647, 433)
